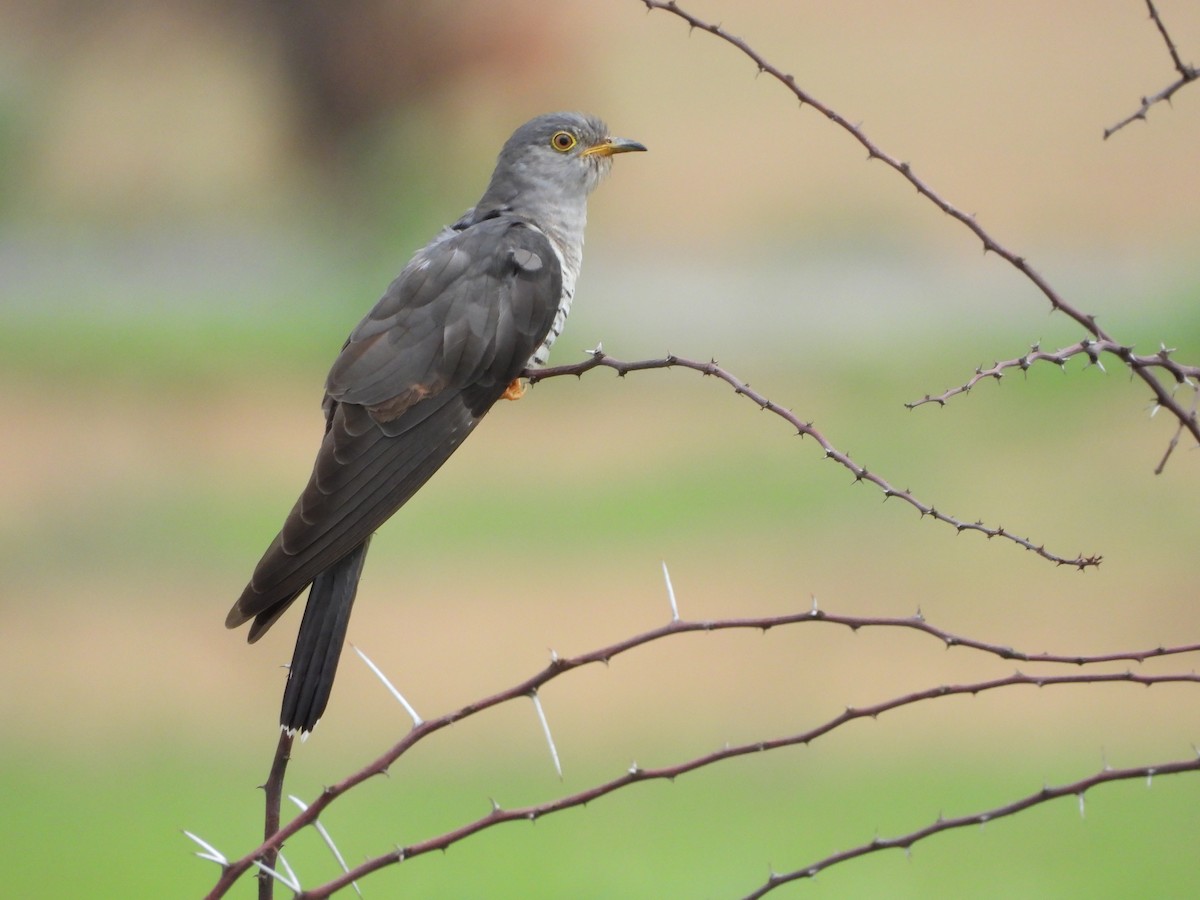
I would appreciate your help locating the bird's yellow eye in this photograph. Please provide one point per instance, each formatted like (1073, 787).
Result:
(562, 141)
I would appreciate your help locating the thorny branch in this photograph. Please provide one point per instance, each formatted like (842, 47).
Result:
(597, 358)
(1046, 794)
(1187, 74)
(232, 871)
(1174, 442)
(636, 774)
(1162, 395)
(1186, 375)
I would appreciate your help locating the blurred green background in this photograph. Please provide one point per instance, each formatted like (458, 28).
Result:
(199, 199)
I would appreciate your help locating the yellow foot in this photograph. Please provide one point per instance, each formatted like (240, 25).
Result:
(514, 391)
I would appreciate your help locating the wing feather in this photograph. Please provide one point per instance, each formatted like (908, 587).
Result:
(415, 377)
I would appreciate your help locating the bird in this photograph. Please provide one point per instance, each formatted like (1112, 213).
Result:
(479, 304)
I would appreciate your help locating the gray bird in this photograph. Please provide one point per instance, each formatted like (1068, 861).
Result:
(481, 302)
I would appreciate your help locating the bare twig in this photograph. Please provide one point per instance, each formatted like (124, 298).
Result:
(232, 871)
(1187, 74)
(1161, 394)
(1180, 66)
(599, 359)
(1045, 795)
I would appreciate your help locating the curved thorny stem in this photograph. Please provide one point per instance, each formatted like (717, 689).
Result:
(1187, 74)
(1163, 396)
(1045, 795)
(599, 359)
(560, 666)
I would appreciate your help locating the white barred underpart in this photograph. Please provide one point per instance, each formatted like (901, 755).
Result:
(570, 272)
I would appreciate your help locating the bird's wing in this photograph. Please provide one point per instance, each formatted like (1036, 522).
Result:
(437, 351)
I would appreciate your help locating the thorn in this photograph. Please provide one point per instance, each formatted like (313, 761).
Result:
(537, 705)
(327, 838)
(210, 853)
(412, 713)
(282, 879)
(670, 593)
(290, 871)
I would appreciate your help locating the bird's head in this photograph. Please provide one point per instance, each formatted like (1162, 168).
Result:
(558, 155)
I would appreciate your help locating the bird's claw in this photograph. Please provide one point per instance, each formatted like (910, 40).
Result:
(515, 390)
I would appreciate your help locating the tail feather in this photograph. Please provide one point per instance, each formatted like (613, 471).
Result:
(319, 642)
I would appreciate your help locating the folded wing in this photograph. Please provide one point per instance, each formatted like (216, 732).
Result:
(415, 377)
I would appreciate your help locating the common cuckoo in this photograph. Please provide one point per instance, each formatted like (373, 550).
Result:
(479, 304)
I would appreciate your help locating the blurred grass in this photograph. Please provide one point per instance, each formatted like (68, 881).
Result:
(119, 818)
(119, 572)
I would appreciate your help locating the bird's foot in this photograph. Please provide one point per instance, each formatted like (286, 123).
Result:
(515, 391)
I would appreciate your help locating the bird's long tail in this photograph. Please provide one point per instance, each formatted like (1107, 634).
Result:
(319, 643)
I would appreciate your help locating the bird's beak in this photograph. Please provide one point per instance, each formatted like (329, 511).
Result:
(609, 146)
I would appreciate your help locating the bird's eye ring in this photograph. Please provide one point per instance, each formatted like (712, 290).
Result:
(562, 141)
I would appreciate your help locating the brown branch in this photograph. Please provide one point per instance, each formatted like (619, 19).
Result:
(598, 359)
(559, 666)
(1174, 442)
(1183, 374)
(273, 799)
(1162, 396)
(1180, 66)
(1187, 74)
(638, 775)
(1045, 795)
